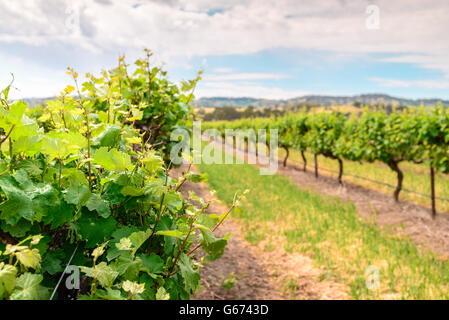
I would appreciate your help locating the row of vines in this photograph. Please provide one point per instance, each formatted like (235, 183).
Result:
(84, 180)
(417, 135)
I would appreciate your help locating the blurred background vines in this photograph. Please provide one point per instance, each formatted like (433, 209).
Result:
(374, 143)
(84, 180)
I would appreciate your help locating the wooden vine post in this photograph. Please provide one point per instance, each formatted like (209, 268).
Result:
(432, 191)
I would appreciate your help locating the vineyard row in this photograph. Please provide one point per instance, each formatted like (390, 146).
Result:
(416, 135)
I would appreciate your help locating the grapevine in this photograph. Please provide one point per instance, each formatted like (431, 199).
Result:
(90, 170)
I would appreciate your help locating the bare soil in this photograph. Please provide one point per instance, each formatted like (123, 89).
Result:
(261, 274)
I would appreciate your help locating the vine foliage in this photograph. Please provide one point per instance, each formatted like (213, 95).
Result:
(90, 171)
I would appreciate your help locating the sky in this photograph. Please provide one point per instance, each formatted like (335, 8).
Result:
(275, 49)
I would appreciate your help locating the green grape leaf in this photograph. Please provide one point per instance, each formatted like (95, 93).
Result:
(127, 266)
(18, 229)
(8, 275)
(30, 258)
(176, 288)
(28, 146)
(112, 160)
(191, 277)
(109, 137)
(118, 235)
(16, 112)
(28, 288)
(152, 162)
(27, 128)
(150, 292)
(62, 144)
(32, 167)
(112, 193)
(110, 294)
(5, 92)
(124, 245)
(193, 177)
(19, 203)
(213, 246)
(155, 187)
(58, 213)
(103, 273)
(77, 194)
(95, 230)
(208, 220)
(96, 203)
(152, 263)
(138, 238)
(170, 233)
(52, 263)
(165, 224)
(133, 288)
(132, 191)
(162, 294)
(173, 200)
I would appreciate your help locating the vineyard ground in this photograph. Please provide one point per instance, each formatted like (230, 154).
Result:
(260, 274)
(280, 214)
(404, 218)
(416, 177)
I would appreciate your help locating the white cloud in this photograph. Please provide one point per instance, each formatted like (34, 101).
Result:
(246, 76)
(31, 79)
(415, 31)
(244, 89)
(429, 61)
(187, 28)
(428, 83)
(222, 70)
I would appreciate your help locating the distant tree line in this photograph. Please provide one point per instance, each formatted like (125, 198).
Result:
(232, 113)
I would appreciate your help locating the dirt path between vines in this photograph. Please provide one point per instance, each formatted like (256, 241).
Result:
(261, 274)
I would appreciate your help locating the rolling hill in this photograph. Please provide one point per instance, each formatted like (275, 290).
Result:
(370, 99)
